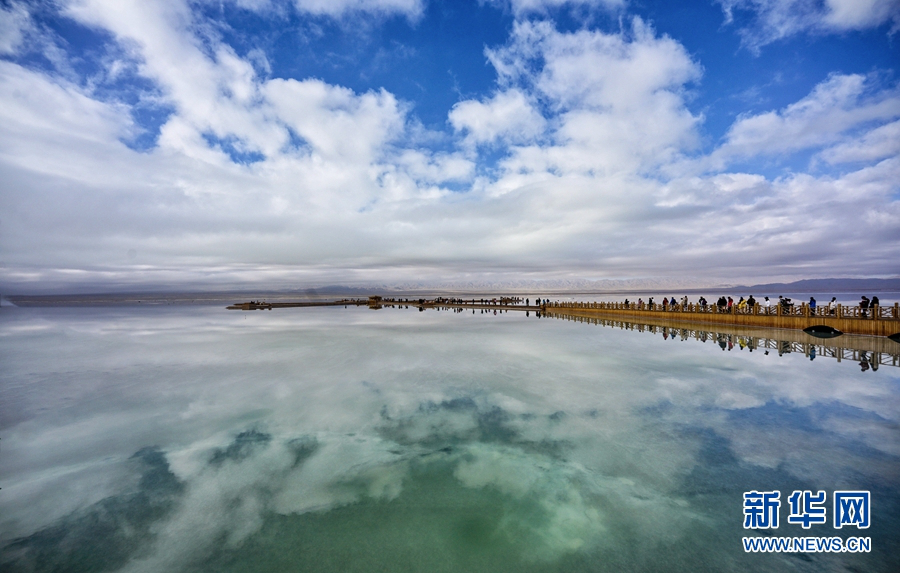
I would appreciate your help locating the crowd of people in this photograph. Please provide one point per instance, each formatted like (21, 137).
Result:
(727, 304)
(724, 304)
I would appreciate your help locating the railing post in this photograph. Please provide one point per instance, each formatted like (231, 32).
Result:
(896, 310)
(778, 309)
(875, 312)
(804, 308)
(839, 311)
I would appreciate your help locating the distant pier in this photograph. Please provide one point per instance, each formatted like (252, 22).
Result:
(262, 305)
(378, 302)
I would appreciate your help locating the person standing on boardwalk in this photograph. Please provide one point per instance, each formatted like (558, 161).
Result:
(832, 306)
(864, 307)
(786, 304)
(768, 305)
(812, 306)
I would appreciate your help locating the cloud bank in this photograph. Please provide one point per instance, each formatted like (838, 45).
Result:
(585, 160)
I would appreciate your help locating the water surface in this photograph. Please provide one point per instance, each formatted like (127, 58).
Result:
(189, 438)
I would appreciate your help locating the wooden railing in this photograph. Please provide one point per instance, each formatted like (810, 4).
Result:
(798, 310)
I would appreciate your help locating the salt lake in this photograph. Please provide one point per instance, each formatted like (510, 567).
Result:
(190, 438)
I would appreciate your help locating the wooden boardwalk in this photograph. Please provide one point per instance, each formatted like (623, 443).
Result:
(880, 321)
(868, 352)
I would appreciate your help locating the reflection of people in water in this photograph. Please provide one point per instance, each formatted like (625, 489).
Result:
(812, 353)
(863, 361)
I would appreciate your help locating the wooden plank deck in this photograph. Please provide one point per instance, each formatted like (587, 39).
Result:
(882, 321)
(866, 351)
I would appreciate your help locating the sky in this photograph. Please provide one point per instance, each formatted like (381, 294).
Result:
(200, 144)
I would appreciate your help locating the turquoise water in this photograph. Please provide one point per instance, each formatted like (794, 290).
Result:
(196, 439)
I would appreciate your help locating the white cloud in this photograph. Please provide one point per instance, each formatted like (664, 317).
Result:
(409, 8)
(337, 124)
(876, 144)
(835, 107)
(14, 23)
(522, 7)
(860, 14)
(508, 115)
(39, 115)
(777, 19)
(618, 98)
(435, 168)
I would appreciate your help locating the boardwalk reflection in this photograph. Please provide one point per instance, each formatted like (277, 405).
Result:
(867, 352)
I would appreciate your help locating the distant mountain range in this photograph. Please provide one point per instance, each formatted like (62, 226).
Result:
(519, 286)
(828, 285)
(619, 286)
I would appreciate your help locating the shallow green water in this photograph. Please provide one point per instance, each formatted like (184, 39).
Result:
(195, 439)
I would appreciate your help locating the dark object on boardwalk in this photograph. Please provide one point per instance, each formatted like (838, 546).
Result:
(822, 331)
(895, 337)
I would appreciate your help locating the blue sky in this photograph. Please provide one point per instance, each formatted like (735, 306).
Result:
(297, 143)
